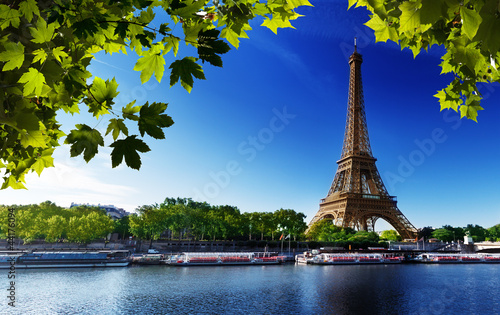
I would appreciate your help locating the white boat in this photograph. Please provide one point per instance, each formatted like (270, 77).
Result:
(222, 259)
(443, 258)
(347, 259)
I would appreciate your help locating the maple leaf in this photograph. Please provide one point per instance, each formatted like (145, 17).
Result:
(470, 111)
(59, 53)
(184, 70)
(8, 17)
(117, 126)
(42, 33)
(44, 160)
(382, 30)
(104, 91)
(129, 111)
(84, 27)
(33, 82)
(40, 55)
(13, 55)
(84, 139)
(151, 120)
(33, 138)
(209, 46)
(28, 8)
(275, 23)
(151, 62)
(128, 148)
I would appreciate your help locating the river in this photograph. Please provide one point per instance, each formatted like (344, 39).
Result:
(285, 289)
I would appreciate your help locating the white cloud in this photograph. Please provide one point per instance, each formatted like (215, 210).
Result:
(66, 183)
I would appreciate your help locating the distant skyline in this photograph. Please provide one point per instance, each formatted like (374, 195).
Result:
(265, 131)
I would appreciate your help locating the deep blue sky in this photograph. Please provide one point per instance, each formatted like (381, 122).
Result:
(209, 153)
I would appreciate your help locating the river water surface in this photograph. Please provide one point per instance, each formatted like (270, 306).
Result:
(285, 289)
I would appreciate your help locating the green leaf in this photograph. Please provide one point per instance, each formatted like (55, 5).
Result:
(33, 82)
(33, 138)
(188, 8)
(42, 33)
(152, 119)
(13, 183)
(43, 161)
(471, 20)
(40, 55)
(59, 53)
(151, 62)
(8, 17)
(487, 32)
(468, 55)
(129, 111)
(383, 31)
(378, 8)
(447, 101)
(84, 28)
(409, 20)
(13, 56)
(117, 126)
(233, 33)
(128, 148)
(29, 8)
(209, 46)
(470, 111)
(84, 139)
(275, 23)
(430, 12)
(27, 120)
(171, 42)
(104, 91)
(184, 70)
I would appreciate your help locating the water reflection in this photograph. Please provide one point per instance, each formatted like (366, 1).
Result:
(289, 289)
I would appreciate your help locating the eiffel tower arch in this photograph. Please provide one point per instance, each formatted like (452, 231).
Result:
(357, 197)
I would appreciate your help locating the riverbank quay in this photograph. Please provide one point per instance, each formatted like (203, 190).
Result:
(164, 246)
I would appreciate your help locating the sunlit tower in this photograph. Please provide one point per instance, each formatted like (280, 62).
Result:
(358, 197)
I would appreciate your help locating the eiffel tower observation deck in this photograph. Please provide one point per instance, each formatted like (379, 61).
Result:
(357, 197)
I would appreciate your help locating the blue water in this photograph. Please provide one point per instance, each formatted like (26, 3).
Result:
(286, 289)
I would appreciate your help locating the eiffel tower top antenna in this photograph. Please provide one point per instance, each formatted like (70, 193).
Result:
(355, 46)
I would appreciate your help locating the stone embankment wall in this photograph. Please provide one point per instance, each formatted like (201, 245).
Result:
(162, 246)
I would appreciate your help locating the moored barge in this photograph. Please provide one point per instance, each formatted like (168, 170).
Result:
(442, 258)
(222, 259)
(346, 259)
(115, 258)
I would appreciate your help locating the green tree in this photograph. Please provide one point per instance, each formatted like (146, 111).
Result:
(443, 234)
(325, 231)
(46, 47)
(89, 227)
(122, 227)
(467, 29)
(150, 223)
(56, 227)
(390, 235)
(477, 232)
(494, 233)
(291, 222)
(138, 226)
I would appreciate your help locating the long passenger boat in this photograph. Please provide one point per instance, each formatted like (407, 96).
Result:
(346, 259)
(65, 259)
(222, 259)
(442, 258)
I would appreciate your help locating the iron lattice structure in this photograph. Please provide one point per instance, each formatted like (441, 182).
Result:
(358, 197)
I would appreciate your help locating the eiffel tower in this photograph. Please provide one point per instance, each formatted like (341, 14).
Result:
(358, 197)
